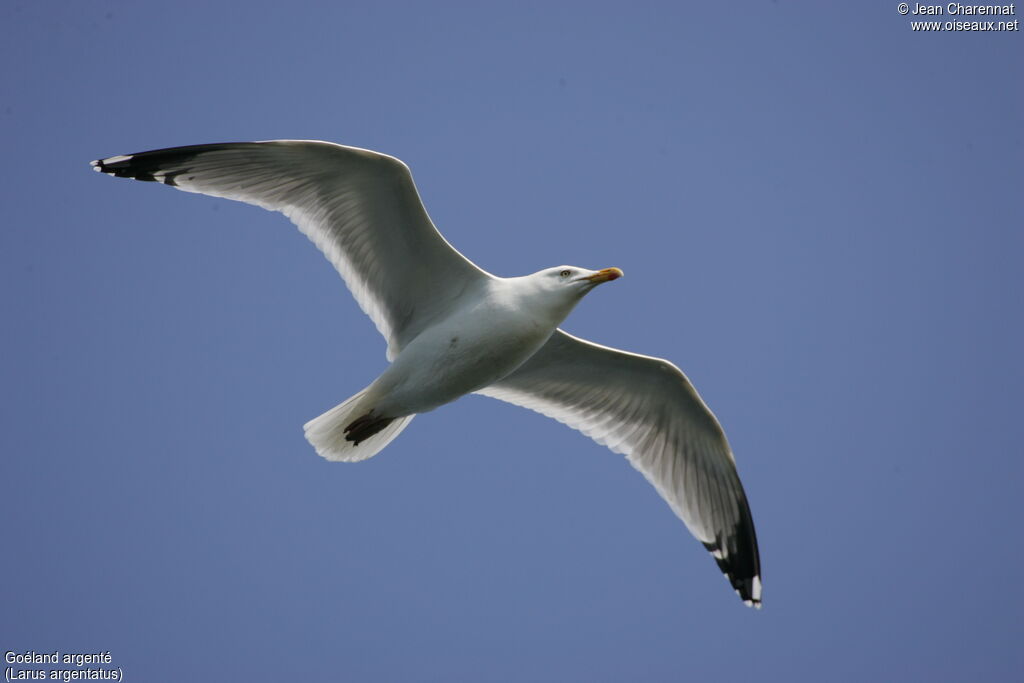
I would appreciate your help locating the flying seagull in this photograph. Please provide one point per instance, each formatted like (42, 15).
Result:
(454, 329)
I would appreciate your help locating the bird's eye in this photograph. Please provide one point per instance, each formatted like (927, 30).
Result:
(565, 273)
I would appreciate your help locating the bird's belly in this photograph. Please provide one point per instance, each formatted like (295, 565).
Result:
(453, 360)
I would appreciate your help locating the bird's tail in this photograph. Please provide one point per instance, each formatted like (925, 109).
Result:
(350, 431)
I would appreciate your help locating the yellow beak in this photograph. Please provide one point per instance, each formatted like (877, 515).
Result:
(604, 275)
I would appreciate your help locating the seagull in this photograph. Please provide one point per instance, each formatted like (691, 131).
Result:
(453, 329)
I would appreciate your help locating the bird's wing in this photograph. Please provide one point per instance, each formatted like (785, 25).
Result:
(360, 208)
(646, 409)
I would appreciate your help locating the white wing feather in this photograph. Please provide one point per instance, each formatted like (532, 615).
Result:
(360, 208)
(646, 409)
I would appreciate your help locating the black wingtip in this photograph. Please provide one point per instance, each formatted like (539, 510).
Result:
(737, 556)
(122, 166)
(749, 591)
(743, 573)
(158, 165)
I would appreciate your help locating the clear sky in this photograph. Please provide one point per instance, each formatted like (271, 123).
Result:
(819, 214)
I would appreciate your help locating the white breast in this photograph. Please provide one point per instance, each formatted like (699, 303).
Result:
(470, 350)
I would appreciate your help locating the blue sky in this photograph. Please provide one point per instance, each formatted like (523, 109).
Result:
(819, 215)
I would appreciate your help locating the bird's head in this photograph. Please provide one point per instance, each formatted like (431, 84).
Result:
(562, 287)
(572, 281)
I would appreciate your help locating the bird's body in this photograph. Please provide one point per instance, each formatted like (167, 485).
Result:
(478, 344)
(454, 329)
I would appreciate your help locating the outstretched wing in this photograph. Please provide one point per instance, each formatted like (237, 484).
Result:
(360, 208)
(646, 409)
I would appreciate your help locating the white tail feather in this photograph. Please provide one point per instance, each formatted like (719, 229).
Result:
(327, 432)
